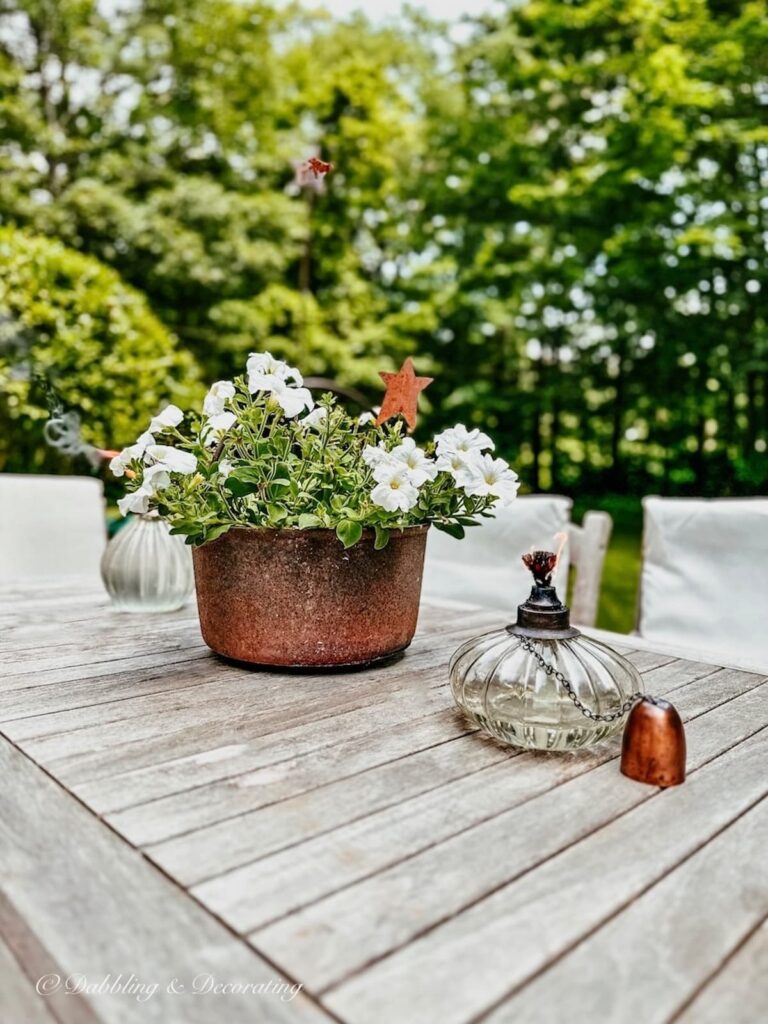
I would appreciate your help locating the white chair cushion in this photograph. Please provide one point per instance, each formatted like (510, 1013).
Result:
(50, 526)
(485, 568)
(705, 564)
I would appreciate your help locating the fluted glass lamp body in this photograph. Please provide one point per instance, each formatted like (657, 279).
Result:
(540, 683)
(503, 688)
(145, 569)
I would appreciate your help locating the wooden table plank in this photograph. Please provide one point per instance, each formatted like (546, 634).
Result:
(332, 938)
(229, 799)
(78, 901)
(738, 991)
(173, 671)
(468, 964)
(18, 999)
(356, 830)
(236, 796)
(200, 855)
(250, 896)
(612, 976)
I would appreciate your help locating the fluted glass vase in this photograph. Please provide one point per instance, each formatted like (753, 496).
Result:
(145, 569)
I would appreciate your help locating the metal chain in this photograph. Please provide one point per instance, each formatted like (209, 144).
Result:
(529, 646)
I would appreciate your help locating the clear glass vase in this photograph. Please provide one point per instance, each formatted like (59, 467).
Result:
(145, 569)
(502, 687)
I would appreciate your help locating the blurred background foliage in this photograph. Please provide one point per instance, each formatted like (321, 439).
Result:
(561, 210)
(77, 335)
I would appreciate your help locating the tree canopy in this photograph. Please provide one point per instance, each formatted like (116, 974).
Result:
(71, 330)
(562, 216)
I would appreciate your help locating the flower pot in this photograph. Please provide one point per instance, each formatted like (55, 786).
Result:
(297, 598)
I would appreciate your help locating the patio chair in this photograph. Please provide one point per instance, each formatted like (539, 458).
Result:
(703, 580)
(485, 568)
(50, 526)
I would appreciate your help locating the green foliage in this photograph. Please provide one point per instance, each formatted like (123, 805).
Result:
(564, 213)
(161, 140)
(69, 324)
(267, 468)
(601, 210)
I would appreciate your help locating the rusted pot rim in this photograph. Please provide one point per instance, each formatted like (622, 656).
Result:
(324, 532)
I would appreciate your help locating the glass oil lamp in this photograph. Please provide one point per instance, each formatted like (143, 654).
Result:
(540, 683)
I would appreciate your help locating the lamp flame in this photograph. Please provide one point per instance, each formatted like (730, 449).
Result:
(543, 564)
(562, 540)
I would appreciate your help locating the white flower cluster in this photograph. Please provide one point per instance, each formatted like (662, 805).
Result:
(218, 420)
(464, 454)
(160, 460)
(265, 373)
(400, 473)
(283, 382)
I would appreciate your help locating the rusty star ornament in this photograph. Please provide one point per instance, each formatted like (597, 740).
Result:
(402, 394)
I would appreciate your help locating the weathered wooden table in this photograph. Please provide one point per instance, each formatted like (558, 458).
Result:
(184, 840)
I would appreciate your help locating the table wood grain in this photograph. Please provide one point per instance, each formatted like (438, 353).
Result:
(166, 816)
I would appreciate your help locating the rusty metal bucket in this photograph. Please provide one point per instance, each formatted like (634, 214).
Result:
(298, 599)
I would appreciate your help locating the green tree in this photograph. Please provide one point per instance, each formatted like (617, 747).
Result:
(72, 330)
(563, 215)
(162, 140)
(598, 193)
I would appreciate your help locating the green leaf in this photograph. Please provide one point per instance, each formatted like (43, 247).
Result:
(452, 529)
(382, 537)
(216, 531)
(240, 487)
(247, 474)
(276, 489)
(185, 527)
(349, 532)
(308, 521)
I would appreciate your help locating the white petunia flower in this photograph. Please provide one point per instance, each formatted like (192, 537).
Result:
(172, 459)
(120, 462)
(394, 490)
(225, 468)
(216, 426)
(291, 400)
(483, 476)
(171, 416)
(138, 502)
(387, 466)
(452, 462)
(316, 418)
(420, 468)
(155, 478)
(264, 364)
(459, 439)
(373, 455)
(365, 417)
(218, 393)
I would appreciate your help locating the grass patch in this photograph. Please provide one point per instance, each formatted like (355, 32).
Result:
(621, 571)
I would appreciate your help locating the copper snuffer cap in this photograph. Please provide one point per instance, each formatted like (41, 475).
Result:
(543, 615)
(653, 748)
